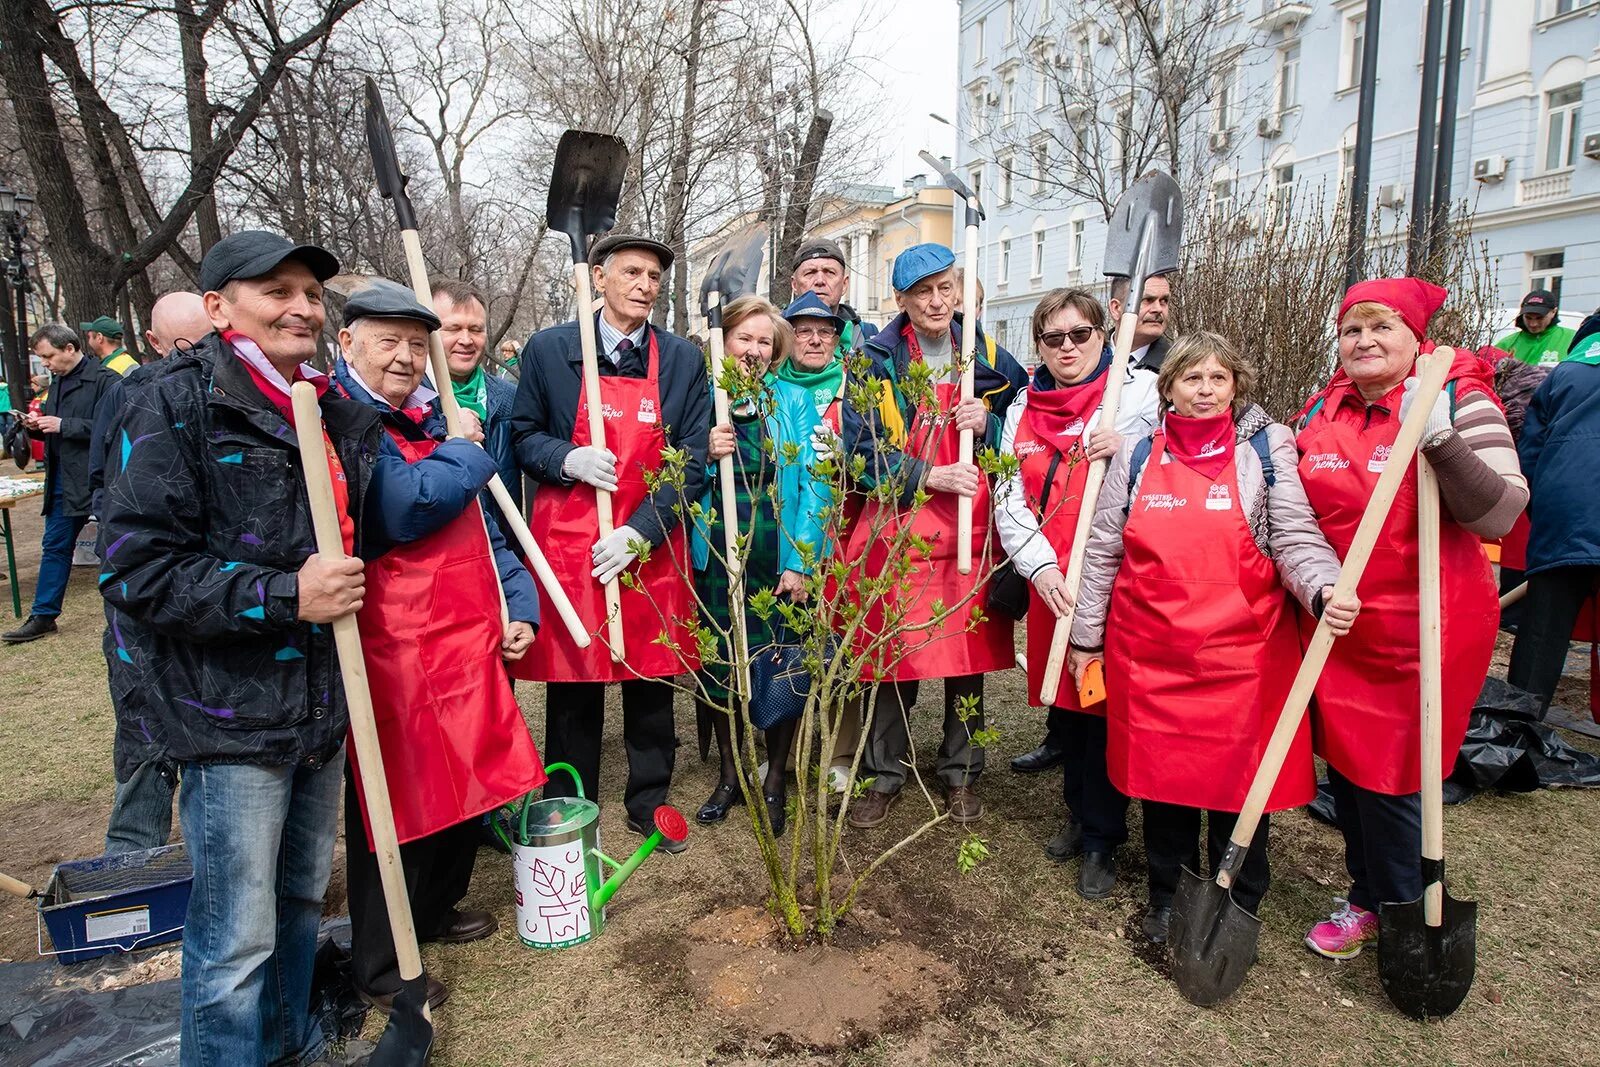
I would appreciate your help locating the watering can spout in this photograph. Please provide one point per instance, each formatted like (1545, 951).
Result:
(670, 825)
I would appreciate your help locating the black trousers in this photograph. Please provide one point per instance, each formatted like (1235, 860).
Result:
(1172, 842)
(1057, 727)
(437, 869)
(1087, 789)
(1544, 635)
(574, 718)
(1382, 842)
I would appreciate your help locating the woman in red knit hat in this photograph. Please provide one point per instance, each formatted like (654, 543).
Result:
(1365, 721)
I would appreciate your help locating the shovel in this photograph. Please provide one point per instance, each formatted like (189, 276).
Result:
(1213, 939)
(1513, 595)
(585, 183)
(409, 1035)
(969, 337)
(1428, 952)
(392, 185)
(1143, 238)
(17, 888)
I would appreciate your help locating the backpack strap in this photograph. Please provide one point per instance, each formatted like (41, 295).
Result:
(1136, 462)
(1263, 447)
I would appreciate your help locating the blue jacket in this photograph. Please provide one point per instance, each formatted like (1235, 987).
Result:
(874, 435)
(468, 468)
(790, 419)
(501, 396)
(1558, 448)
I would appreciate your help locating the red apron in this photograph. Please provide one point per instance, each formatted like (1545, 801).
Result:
(1201, 649)
(567, 524)
(454, 741)
(1060, 522)
(951, 649)
(1365, 717)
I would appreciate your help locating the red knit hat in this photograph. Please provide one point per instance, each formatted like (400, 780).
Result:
(1413, 299)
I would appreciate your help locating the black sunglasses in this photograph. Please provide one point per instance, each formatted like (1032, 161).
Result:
(1077, 335)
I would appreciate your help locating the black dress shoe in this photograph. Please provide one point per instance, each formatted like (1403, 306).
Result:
(777, 812)
(668, 845)
(438, 993)
(466, 926)
(1040, 759)
(1155, 925)
(1067, 844)
(36, 627)
(1098, 876)
(715, 809)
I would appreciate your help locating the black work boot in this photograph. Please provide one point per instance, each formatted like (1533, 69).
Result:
(36, 627)
(1066, 844)
(1098, 875)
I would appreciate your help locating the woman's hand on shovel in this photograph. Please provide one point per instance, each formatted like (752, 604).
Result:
(518, 639)
(1340, 615)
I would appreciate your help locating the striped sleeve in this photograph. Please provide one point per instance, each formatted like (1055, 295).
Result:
(1480, 480)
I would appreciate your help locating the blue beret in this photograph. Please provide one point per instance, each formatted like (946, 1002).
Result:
(918, 262)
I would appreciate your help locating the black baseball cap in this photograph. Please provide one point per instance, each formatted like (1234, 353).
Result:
(252, 253)
(818, 248)
(1539, 301)
(380, 298)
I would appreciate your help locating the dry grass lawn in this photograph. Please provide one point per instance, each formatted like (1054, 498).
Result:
(1044, 977)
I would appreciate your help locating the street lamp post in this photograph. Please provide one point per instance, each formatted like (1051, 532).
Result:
(14, 210)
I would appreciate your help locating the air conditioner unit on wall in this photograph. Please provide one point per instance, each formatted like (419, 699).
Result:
(1392, 195)
(1220, 139)
(1489, 168)
(1270, 126)
(1591, 145)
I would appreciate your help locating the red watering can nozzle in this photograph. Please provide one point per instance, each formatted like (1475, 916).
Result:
(671, 823)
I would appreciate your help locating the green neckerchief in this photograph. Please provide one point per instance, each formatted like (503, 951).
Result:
(473, 393)
(823, 385)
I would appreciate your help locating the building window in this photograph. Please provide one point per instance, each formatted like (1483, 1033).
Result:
(1221, 199)
(1354, 44)
(1082, 70)
(1038, 251)
(975, 180)
(1044, 11)
(1011, 21)
(978, 54)
(1041, 167)
(1282, 194)
(1223, 118)
(1562, 107)
(1124, 138)
(1041, 77)
(1004, 165)
(1229, 9)
(1556, 8)
(1288, 78)
(1005, 259)
(1075, 246)
(1008, 98)
(975, 105)
(1545, 270)
(1002, 336)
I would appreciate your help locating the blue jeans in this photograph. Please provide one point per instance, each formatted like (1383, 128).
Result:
(261, 840)
(141, 813)
(55, 557)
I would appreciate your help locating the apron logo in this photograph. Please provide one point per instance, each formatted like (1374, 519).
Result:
(647, 409)
(1380, 458)
(1164, 502)
(1211, 448)
(609, 413)
(1029, 448)
(1218, 498)
(1328, 461)
(1075, 430)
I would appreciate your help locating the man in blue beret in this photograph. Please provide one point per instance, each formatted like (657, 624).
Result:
(910, 444)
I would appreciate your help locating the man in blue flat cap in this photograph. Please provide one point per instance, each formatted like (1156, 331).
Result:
(923, 620)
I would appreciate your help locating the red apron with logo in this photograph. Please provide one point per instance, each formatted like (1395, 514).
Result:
(454, 741)
(567, 524)
(1365, 717)
(1201, 648)
(950, 649)
(1058, 523)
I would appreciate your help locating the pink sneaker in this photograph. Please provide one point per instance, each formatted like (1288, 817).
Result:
(1342, 935)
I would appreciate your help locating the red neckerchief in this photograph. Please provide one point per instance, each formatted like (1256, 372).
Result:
(910, 334)
(269, 388)
(1203, 445)
(1061, 415)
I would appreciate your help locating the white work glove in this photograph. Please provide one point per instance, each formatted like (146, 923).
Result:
(592, 465)
(1438, 419)
(612, 554)
(824, 443)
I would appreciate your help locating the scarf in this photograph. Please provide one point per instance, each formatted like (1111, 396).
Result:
(1060, 414)
(1204, 445)
(473, 393)
(266, 376)
(822, 385)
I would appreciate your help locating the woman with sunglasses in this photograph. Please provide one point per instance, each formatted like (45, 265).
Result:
(1054, 429)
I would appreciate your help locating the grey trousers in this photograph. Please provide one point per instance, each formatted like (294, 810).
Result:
(888, 748)
(141, 813)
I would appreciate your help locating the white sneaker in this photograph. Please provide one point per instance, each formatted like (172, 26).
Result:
(839, 777)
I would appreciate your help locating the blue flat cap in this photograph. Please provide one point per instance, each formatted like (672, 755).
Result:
(382, 299)
(809, 305)
(918, 262)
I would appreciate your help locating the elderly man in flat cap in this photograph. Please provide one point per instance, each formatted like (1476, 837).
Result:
(654, 396)
(925, 621)
(223, 604)
(449, 725)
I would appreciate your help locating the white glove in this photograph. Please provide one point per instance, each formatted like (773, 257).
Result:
(824, 443)
(592, 465)
(1438, 418)
(612, 554)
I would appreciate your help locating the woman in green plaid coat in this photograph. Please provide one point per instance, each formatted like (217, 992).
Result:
(778, 507)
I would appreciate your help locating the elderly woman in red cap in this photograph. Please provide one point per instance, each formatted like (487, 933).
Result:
(1365, 719)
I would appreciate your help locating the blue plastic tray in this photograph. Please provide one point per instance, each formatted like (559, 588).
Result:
(116, 903)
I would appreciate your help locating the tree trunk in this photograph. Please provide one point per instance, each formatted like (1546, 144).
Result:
(192, 29)
(678, 183)
(798, 210)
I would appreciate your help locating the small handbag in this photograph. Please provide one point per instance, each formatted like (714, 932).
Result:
(779, 681)
(1009, 591)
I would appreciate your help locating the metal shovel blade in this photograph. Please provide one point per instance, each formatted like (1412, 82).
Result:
(1212, 941)
(1146, 229)
(736, 267)
(409, 1036)
(1427, 970)
(585, 185)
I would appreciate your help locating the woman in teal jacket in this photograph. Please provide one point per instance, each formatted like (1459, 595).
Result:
(778, 511)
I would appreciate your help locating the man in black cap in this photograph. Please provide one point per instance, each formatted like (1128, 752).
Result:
(224, 605)
(654, 396)
(819, 267)
(1538, 339)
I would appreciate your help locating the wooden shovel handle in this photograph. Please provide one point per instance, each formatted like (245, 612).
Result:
(597, 437)
(730, 510)
(15, 886)
(1431, 370)
(1061, 635)
(969, 340)
(1513, 595)
(353, 675)
(1430, 656)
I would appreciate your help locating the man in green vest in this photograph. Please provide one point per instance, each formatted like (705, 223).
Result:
(104, 338)
(1538, 340)
(820, 267)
